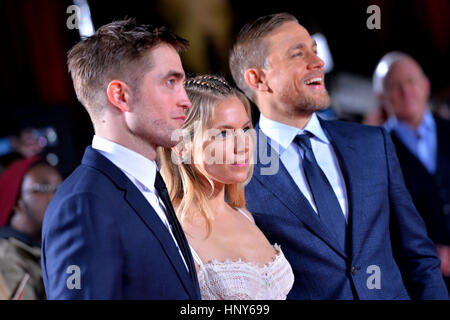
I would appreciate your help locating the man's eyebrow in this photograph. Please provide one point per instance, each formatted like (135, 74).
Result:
(297, 46)
(176, 74)
(301, 45)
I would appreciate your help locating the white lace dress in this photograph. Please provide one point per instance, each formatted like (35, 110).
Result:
(243, 280)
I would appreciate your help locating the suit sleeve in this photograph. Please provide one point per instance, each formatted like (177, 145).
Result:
(81, 250)
(415, 253)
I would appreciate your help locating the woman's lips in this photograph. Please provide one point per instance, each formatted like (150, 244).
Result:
(240, 163)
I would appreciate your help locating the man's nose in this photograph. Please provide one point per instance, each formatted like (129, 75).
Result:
(315, 62)
(184, 101)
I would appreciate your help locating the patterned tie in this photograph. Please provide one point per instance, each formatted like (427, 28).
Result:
(330, 212)
(160, 186)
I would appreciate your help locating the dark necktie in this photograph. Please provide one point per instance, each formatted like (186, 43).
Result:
(160, 186)
(330, 212)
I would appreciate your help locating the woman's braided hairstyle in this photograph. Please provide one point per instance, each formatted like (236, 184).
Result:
(214, 83)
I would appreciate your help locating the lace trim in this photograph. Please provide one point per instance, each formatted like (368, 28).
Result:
(215, 262)
(239, 279)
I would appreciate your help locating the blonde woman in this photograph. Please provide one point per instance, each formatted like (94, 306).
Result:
(205, 175)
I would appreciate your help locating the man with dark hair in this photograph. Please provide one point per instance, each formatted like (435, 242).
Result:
(110, 232)
(338, 205)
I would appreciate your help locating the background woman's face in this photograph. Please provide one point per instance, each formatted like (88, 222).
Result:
(227, 144)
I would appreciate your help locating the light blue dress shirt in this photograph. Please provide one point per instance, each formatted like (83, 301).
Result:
(422, 142)
(281, 137)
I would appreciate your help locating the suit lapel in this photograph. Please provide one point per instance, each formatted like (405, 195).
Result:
(149, 217)
(286, 190)
(350, 164)
(145, 212)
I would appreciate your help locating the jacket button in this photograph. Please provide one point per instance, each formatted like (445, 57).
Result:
(354, 271)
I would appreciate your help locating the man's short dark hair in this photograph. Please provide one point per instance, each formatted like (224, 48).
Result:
(116, 51)
(250, 50)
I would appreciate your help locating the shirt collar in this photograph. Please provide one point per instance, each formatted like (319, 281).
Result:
(139, 167)
(284, 134)
(428, 124)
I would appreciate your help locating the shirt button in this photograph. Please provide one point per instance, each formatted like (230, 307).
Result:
(354, 271)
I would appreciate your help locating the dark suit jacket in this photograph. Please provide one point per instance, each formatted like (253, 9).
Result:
(100, 222)
(387, 236)
(430, 193)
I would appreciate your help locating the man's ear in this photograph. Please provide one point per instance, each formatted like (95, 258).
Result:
(256, 79)
(119, 95)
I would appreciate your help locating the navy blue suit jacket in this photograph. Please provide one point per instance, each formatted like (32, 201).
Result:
(388, 238)
(99, 222)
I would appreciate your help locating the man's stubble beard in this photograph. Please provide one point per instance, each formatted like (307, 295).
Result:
(150, 131)
(160, 134)
(308, 104)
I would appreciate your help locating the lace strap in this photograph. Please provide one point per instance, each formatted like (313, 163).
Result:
(196, 256)
(245, 214)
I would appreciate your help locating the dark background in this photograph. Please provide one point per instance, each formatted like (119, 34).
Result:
(36, 89)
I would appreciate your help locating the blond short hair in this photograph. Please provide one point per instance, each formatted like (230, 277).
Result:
(250, 49)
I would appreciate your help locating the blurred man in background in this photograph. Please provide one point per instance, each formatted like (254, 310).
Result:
(26, 187)
(422, 142)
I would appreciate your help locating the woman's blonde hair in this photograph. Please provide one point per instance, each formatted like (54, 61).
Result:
(182, 177)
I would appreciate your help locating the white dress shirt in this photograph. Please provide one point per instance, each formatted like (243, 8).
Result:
(140, 170)
(281, 137)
